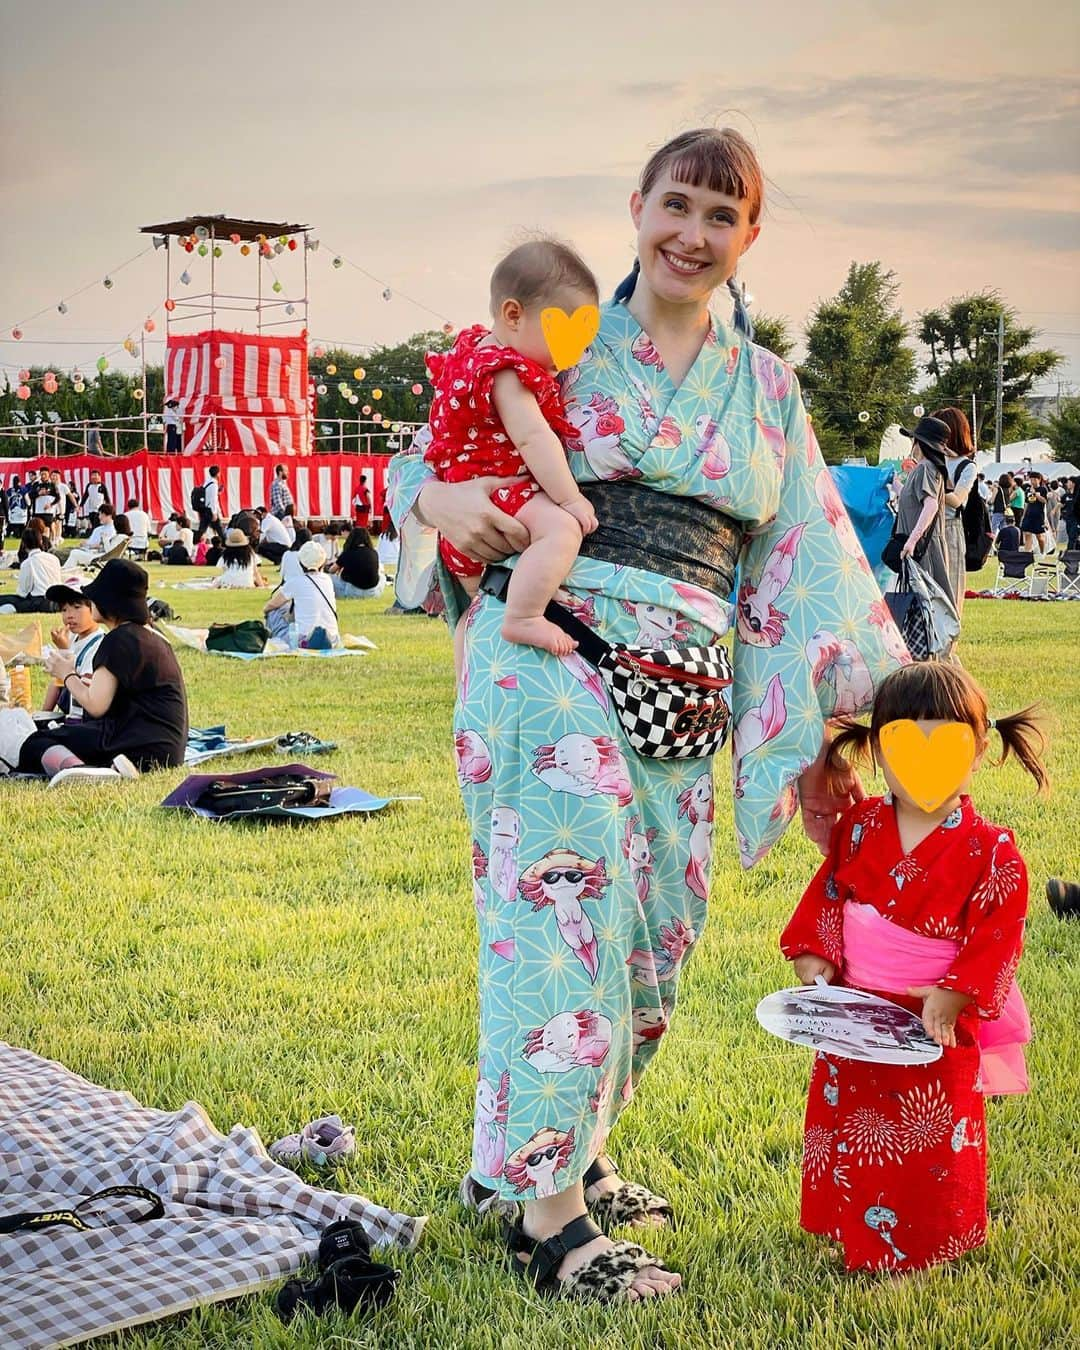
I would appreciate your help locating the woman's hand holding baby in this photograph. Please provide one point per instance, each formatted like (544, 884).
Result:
(466, 515)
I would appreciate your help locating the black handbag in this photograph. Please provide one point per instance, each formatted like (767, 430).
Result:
(228, 798)
(912, 615)
(672, 702)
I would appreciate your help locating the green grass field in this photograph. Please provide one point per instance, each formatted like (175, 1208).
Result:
(276, 974)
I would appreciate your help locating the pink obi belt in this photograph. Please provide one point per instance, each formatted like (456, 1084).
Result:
(882, 956)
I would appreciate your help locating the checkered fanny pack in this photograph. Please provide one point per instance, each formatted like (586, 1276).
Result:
(672, 702)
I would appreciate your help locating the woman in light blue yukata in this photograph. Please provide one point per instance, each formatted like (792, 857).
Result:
(591, 863)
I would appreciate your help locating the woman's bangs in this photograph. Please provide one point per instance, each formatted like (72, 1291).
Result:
(712, 165)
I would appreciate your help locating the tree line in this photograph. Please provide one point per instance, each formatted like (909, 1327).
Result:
(860, 373)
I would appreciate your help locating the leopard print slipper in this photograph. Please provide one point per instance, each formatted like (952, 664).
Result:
(607, 1278)
(628, 1204)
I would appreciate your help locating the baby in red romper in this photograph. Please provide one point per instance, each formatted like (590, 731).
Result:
(497, 410)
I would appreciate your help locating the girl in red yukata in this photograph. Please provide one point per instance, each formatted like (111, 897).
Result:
(925, 908)
(497, 411)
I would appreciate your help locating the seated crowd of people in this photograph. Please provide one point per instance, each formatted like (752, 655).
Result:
(1031, 513)
(116, 703)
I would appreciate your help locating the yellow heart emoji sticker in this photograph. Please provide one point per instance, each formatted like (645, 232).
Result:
(567, 335)
(931, 768)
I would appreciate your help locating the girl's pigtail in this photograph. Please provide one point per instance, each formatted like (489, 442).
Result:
(1022, 735)
(854, 738)
(743, 322)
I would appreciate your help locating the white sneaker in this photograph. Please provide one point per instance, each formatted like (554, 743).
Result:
(125, 768)
(85, 773)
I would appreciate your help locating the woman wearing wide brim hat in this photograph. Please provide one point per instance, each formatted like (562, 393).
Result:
(921, 505)
(135, 706)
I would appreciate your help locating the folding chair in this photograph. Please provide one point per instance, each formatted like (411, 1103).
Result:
(1069, 576)
(117, 551)
(1012, 567)
(1045, 576)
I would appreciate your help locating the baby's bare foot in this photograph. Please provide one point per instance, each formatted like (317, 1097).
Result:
(538, 632)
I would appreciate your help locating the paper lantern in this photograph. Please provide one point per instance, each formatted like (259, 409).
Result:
(353, 400)
(366, 409)
(377, 417)
(24, 375)
(217, 250)
(291, 245)
(219, 362)
(376, 394)
(185, 278)
(203, 250)
(149, 326)
(79, 387)
(343, 389)
(16, 333)
(276, 287)
(201, 232)
(388, 294)
(448, 327)
(170, 305)
(279, 248)
(418, 388)
(338, 262)
(23, 392)
(864, 417)
(331, 370)
(234, 238)
(260, 238)
(918, 410)
(321, 390)
(319, 353)
(266, 250)
(61, 308)
(290, 309)
(137, 395)
(396, 426)
(245, 249)
(129, 346)
(107, 283)
(359, 373)
(189, 248)
(103, 363)
(283, 240)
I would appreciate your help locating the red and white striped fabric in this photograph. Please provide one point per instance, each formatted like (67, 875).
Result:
(254, 403)
(323, 486)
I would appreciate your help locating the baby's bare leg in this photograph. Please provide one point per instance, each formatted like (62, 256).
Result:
(471, 587)
(541, 570)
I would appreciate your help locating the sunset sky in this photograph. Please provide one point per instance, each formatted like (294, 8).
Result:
(939, 138)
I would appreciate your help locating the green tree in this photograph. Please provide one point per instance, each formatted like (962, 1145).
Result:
(391, 370)
(857, 361)
(1063, 430)
(771, 331)
(962, 339)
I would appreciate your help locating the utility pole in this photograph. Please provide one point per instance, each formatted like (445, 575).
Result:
(1000, 384)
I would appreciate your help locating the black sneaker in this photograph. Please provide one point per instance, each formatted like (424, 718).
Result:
(1064, 897)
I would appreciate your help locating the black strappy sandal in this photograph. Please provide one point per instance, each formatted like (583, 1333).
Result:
(626, 1205)
(605, 1279)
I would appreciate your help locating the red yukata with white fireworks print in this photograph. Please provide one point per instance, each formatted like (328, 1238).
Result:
(894, 1156)
(468, 437)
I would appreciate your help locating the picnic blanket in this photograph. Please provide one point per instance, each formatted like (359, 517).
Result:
(352, 645)
(343, 800)
(205, 743)
(234, 1219)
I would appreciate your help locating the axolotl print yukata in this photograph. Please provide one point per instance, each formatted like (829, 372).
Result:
(590, 863)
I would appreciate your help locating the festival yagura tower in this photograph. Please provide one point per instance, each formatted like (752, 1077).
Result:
(240, 393)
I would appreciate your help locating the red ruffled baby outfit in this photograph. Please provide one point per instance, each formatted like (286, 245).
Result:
(468, 438)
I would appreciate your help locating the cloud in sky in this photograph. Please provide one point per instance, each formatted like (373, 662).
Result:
(941, 139)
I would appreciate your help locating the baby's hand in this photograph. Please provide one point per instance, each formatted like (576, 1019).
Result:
(940, 1009)
(808, 968)
(581, 509)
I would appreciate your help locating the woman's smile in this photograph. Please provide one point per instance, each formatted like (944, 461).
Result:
(680, 263)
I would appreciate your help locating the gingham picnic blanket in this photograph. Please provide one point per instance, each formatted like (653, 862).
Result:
(234, 1220)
